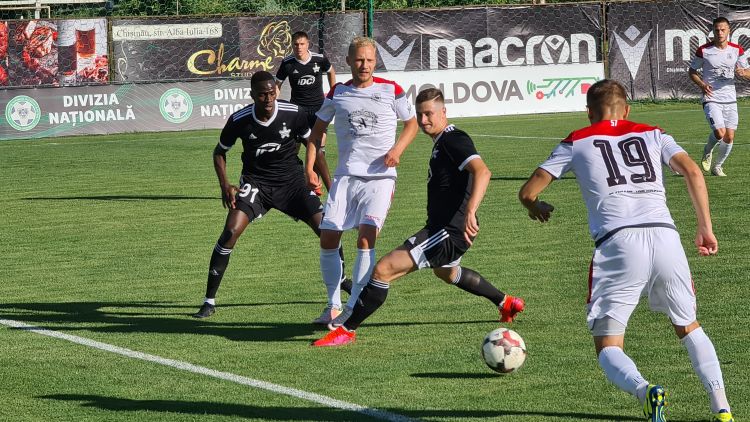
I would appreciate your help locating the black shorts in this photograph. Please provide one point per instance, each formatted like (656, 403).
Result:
(310, 113)
(437, 247)
(295, 200)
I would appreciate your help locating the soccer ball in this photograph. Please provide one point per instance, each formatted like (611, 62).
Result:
(503, 350)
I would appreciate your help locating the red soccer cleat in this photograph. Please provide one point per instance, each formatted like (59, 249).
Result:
(338, 337)
(510, 307)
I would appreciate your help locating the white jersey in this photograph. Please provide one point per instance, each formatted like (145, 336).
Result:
(618, 166)
(717, 68)
(365, 125)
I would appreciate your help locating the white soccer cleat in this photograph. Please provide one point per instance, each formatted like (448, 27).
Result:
(328, 314)
(718, 171)
(706, 161)
(340, 319)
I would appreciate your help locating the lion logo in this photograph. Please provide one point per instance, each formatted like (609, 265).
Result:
(275, 40)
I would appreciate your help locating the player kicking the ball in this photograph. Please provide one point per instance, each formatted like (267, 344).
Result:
(618, 165)
(457, 181)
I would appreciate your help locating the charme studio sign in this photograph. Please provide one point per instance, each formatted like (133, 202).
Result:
(154, 49)
(525, 36)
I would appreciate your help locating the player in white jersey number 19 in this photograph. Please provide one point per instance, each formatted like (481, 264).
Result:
(618, 165)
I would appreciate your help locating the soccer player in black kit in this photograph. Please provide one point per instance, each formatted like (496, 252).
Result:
(456, 183)
(305, 71)
(272, 174)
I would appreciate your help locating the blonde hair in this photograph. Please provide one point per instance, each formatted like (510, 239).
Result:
(358, 43)
(606, 93)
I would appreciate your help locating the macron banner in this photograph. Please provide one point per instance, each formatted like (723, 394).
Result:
(488, 37)
(514, 90)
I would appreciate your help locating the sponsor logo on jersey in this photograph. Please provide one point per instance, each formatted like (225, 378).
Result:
(284, 132)
(252, 136)
(306, 80)
(269, 147)
(362, 122)
(175, 105)
(23, 113)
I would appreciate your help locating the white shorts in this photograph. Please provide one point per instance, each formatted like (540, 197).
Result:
(638, 262)
(353, 201)
(721, 115)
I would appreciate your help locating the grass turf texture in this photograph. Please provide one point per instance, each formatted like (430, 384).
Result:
(108, 238)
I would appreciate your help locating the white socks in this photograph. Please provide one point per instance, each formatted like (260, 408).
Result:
(330, 267)
(621, 371)
(706, 365)
(724, 150)
(710, 143)
(363, 265)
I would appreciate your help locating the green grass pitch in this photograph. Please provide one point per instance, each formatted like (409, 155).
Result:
(108, 238)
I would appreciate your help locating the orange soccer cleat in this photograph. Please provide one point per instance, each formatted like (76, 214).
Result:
(510, 307)
(338, 337)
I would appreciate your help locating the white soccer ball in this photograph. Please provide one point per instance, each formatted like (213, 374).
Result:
(503, 350)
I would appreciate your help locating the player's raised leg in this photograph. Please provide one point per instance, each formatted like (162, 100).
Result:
(235, 224)
(471, 281)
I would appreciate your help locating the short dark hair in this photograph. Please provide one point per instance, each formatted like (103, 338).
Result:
(607, 92)
(300, 34)
(721, 19)
(430, 94)
(260, 77)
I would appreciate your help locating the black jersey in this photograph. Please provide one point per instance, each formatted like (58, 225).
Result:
(305, 79)
(448, 184)
(269, 148)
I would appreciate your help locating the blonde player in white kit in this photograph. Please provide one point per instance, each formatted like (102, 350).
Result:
(366, 109)
(713, 69)
(618, 166)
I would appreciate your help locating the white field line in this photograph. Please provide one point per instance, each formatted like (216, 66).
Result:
(185, 366)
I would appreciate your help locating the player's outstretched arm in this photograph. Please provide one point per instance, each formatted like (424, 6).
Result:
(393, 156)
(227, 189)
(314, 160)
(696, 185)
(529, 196)
(480, 179)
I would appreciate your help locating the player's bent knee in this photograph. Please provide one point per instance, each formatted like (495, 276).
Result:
(445, 274)
(683, 330)
(228, 238)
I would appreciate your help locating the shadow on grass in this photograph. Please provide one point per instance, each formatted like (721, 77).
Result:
(123, 198)
(204, 408)
(311, 413)
(135, 317)
(121, 317)
(453, 375)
